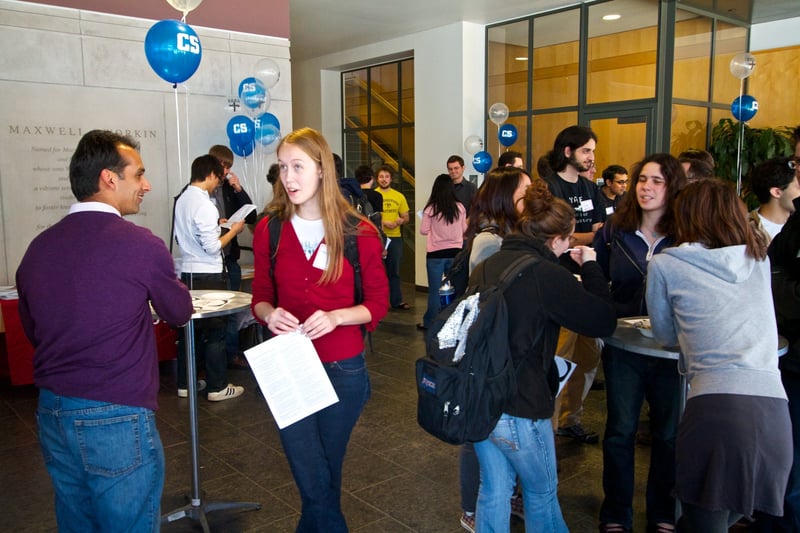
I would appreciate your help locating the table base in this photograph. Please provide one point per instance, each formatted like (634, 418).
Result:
(197, 511)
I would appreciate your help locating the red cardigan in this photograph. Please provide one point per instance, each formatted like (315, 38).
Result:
(300, 293)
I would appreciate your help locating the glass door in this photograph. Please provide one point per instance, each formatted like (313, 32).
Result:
(624, 137)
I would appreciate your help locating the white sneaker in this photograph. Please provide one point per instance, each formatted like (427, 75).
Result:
(184, 393)
(232, 391)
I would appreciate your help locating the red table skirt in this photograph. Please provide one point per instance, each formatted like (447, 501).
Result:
(19, 365)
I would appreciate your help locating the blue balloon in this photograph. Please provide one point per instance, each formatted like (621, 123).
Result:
(173, 50)
(507, 134)
(744, 108)
(241, 131)
(267, 118)
(244, 149)
(252, 92)
(482, 161)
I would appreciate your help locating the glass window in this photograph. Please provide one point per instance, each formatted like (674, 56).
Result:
(622, 53)
(545, 129)
(689, 128)
(555, 59)
(507, 64)
(692, 56)
(355, 98)
(384, 94)
(729, 41)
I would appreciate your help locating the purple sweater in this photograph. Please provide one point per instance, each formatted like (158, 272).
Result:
(84, 287)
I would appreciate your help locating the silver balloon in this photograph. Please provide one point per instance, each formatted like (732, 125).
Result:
(473, 144)
(498, 113)
(742, 65)
(184, 5)
(268, 72)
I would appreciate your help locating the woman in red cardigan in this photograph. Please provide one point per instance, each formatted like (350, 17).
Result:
(312, 289)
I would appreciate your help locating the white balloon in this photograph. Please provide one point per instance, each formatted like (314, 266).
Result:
(742, 65)
(473, 144)
(268, 72)
(498, 113)
(185, 5)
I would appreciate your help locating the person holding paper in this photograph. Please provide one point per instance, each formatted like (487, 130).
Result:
(312, 290)
(197, 233)
(642, 226)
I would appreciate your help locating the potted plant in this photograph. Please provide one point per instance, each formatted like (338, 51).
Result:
(758, 144)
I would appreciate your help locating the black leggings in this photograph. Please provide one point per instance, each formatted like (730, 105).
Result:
(695, 519)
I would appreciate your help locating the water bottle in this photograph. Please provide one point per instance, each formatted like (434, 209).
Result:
(446, 292)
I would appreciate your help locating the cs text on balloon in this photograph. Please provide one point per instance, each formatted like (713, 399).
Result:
(241, 130)
(498, 113)
(253, 93)
(482, 161)
(507, 134)
(173, 50)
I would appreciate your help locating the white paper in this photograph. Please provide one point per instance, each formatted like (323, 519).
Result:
(388, 240)
(240, 214)
(291, 377)
(565, 369)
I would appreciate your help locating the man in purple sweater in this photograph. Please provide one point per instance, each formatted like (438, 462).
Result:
(85, 288)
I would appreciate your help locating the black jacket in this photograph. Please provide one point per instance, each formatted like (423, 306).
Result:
(785, 264)
(542, 300)
(233, 201)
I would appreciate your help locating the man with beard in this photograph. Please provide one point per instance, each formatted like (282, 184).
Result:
(573, 154)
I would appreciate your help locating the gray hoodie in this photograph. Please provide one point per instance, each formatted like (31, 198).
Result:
(717, 305)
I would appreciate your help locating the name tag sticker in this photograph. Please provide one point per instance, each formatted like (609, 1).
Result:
(587, 205)
(610, 210)
(321, 259)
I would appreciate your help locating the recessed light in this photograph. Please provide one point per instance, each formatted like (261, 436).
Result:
(612, 17)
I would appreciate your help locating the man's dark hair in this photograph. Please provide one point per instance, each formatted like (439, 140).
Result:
(573, 138)
(543, 165)
(385, 168)
(205, 165)
(98, 150)
(338, 164)
(771, 173)
(274, 173)
(696, 154)
(612, 170)
(698, 169)
(507, 158)
(796, 137)
(364, 174)
(455, 159)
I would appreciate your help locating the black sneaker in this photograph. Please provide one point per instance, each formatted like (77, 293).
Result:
(579, 434)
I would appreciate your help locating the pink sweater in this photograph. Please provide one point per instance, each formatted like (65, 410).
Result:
(442, 235)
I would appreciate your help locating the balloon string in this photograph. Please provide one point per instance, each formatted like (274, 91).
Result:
(186, 106)
(741, 141)
(178, 131)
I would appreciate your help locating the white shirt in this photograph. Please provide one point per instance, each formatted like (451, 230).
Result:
(197, 232)
(770, 227)
(309, 232)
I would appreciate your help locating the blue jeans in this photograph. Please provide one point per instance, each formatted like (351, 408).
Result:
(394, 255)
(525, 448)
(630, 379)
(436, 267)
(315, 447)
(106, 463)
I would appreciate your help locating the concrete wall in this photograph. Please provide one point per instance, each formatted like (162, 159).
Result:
(65, 71)
(448, 101)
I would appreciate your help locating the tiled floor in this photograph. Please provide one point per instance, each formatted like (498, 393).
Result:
(397, 478)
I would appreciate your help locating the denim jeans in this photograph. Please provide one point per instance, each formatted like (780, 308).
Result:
(436, 267)
(315, 447)
(394, 255)
(209, 338)
(525, 448)
(630, 379)
(106, 463)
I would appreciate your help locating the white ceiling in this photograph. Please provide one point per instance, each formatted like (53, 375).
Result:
(320, 27)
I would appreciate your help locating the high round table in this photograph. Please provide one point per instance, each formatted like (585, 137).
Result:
(207, 304)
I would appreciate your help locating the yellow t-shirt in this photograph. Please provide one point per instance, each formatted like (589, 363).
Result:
(394, 204)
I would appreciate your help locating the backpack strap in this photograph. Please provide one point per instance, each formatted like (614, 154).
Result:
(511, 272)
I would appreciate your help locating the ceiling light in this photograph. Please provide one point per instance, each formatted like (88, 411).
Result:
(521, 58)
(613, 16)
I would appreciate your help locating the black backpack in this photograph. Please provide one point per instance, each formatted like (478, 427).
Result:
(462, 402)
(458, 273)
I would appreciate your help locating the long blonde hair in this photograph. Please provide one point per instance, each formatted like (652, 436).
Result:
(333, 206)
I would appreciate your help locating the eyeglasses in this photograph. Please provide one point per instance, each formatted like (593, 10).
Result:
(792, 164)
(621, 182)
